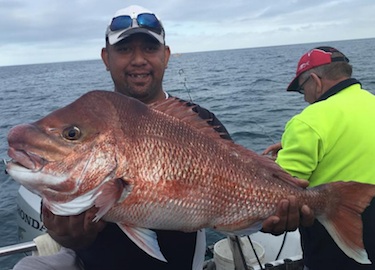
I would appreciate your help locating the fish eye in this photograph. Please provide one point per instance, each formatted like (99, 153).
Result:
(72, 133)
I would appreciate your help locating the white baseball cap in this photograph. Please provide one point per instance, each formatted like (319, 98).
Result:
(132, 20)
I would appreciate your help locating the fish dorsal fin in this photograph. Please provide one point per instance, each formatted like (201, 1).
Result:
(183, 110)
(265, 165)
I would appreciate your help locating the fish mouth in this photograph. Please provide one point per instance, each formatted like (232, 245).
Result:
(25, 159)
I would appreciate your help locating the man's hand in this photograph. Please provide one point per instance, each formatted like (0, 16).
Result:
(273, 150)
(288, 217)
(73, 232)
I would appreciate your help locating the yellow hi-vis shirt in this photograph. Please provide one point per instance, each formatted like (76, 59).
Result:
(332, 140)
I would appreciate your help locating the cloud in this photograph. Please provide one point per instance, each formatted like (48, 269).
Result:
(59, 30)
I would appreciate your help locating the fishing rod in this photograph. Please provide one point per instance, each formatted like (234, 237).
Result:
(238, 254)
(261, 127)
(181, 73)
(285, 233)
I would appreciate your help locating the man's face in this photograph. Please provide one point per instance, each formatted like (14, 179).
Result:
(137, 66)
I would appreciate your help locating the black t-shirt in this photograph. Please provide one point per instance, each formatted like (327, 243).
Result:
(113, 250)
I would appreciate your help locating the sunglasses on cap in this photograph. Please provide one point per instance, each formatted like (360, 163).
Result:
(145, 20)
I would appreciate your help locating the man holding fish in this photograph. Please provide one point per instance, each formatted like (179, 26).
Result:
(136, 56)
(331, 139)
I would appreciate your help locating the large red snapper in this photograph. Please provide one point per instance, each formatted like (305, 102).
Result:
(165, 168)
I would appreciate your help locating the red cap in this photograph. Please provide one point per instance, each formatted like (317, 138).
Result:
(314, 58)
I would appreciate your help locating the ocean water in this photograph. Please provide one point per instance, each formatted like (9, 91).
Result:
(245, 88)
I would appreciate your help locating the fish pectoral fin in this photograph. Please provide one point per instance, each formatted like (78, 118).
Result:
(107, 195)
(145, 239)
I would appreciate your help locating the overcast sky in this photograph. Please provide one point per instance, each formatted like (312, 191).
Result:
(41, 31)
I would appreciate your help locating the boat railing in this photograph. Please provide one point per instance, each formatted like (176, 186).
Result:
(18, 248)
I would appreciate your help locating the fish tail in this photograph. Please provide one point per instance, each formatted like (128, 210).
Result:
(343, 219)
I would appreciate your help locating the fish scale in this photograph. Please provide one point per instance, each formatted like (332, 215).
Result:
(163, 167)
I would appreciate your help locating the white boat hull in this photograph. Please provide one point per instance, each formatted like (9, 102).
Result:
(29, 220)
